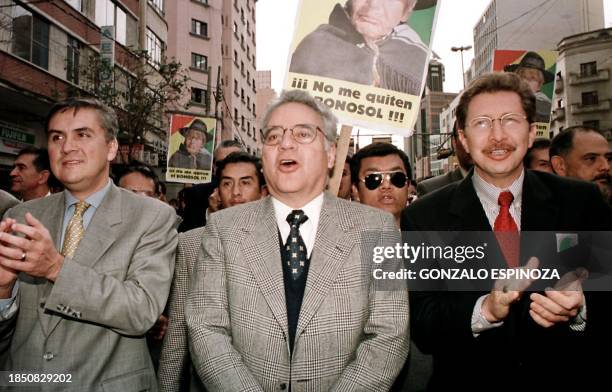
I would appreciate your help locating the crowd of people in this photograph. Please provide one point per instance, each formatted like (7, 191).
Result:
(259, 284)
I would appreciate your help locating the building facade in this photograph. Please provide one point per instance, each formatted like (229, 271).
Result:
(45, 49)
(238, 73)
(529, 25)
(194, 40)
(583, 87)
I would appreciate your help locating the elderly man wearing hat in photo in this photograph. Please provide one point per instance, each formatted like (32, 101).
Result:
(191, 154)
(532, 69)
(367, 42)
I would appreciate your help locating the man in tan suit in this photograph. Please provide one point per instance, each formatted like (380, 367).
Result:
(282, 297)
(86, 272)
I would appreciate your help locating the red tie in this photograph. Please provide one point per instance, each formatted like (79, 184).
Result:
(506, 230)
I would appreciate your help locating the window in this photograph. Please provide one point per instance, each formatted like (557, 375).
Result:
(199, 62)
(242, 94)
(76, 4)
(199, 96)
(199, 28)
(591, 124)
(588, 69)
(108, 14)
(30, 37)
(235, 116)
(590, 98)
(154, 49)
(235, 57)
(236, 87)
(235, 28)
(159, 4)
(242, 67)
(73, 57)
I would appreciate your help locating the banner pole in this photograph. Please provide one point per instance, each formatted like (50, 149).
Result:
(341, 152)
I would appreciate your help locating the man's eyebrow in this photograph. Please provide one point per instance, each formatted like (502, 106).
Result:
(395, 168)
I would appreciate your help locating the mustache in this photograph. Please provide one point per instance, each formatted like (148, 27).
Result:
(498, 146)
(604, 176)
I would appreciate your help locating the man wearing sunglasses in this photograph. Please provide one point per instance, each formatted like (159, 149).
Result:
(511, 334)
(279, 300)
(380, 174)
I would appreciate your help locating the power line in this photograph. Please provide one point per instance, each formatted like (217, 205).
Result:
(517, 18)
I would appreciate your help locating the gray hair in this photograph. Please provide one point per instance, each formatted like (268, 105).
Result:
(106, 115)
(330, 122)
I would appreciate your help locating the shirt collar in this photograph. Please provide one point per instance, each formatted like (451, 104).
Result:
(94, 200)
(490, 193)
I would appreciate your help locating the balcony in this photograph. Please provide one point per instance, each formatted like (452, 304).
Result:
(602, 75)
(602, 106)
(559, 113)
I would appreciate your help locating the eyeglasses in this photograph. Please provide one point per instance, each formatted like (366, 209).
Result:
(301, 133)
(373, 180)
(509, 122)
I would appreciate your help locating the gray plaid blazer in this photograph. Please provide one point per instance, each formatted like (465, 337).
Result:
(175, 371)
(349, 336)
(91, 322)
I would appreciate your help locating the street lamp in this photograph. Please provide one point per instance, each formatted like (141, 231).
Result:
(462, 49)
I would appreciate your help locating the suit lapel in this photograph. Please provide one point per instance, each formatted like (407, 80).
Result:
(332, 247)
(466, 206)
(261, 251)
(100, 233)
(98, 237)
(538, 213)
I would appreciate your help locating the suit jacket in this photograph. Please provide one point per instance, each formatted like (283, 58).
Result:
(91, 322)
(6, 201)
(350, 335)
(175, 370)
(438, 182)
(515, 355)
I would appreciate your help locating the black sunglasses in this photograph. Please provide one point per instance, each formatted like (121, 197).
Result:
(373, 180)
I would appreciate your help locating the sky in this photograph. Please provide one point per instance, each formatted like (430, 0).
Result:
(276, 19)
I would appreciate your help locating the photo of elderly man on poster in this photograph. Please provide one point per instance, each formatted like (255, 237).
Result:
(367, 42)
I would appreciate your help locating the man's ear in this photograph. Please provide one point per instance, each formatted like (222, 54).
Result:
(43, 177)
(558, 165)
(462, 140)
(355, 193)
(264, 191)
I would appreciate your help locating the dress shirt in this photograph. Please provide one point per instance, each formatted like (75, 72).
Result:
(94, 201)
(308, 229)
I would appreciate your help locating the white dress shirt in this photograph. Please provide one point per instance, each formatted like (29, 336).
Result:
(308, 229)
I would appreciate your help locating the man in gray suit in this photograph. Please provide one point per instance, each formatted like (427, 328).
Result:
(86, 272)
(7, 201)
(240, 181)
(465, 164)
(282, 297)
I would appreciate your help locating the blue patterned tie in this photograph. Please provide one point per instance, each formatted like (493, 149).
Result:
(295, 249)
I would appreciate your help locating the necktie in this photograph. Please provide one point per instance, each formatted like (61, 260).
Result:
(506, 230)
(74, 230)
(295, 254)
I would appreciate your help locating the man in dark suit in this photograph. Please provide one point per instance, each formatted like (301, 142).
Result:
(503, 337)
(86, 272)
(465, 164)
(282, 297)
